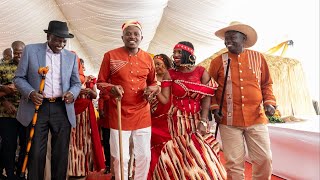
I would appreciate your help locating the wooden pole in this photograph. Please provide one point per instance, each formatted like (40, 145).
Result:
(120, 136)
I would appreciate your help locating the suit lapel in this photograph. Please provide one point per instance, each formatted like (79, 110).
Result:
(41, 54)
(64, 67)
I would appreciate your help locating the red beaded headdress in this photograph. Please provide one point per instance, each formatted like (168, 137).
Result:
(184, 47)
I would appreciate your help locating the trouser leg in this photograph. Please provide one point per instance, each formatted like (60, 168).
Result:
(9, 133)
(106, 145)
(115, 152)
(142, 152)
(60, 129)
(258, 144)
(233, 151)
(22, 133)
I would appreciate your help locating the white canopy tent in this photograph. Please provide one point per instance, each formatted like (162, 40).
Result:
(96, 25)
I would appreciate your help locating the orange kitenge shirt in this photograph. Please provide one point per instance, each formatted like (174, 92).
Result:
(134, 73)
(248, 88)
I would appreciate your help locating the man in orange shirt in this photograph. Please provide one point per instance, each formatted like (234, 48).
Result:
(125, 73)
(248, 98)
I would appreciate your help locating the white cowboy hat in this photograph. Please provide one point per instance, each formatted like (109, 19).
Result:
(243, 28)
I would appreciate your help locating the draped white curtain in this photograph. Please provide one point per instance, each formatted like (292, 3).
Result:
(96, 25)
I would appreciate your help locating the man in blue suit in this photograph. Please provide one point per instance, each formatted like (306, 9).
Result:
(56, 113)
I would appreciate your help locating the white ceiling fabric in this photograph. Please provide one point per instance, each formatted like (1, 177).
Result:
(96, 25)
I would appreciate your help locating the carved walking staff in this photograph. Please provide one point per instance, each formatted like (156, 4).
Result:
(42, 71)
(120, 136)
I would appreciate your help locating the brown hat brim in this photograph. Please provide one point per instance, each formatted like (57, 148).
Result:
(243, 28)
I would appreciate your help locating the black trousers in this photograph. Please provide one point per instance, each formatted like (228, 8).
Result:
(106, 145)
(9, 134)
(53, 117)
(22, 135)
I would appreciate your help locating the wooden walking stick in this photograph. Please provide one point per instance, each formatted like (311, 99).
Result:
(42, 71)
(120, 136)
(222, 96)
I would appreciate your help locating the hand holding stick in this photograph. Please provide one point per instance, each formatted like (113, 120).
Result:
(42, 71)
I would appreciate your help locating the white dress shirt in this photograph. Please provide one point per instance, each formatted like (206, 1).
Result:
(53, 85)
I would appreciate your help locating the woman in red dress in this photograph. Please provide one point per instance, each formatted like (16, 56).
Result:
(188, 155)
(85, 145)
(159, 114)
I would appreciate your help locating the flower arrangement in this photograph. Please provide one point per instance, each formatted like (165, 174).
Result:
(276, 118)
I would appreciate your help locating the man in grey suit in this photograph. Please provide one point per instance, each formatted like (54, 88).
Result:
(56, 113)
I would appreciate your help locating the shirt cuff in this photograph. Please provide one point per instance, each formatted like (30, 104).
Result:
(30, 94)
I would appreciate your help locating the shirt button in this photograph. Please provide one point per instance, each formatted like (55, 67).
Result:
(242, 105)
(241, 79)
(240, 71)
(241, 87)
(131, 72)
(138, 88)
(132, 80)
(132, 89)
(239, 63)
(137, 71)
(242, 97)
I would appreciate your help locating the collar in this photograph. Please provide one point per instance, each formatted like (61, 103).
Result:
(48, 50)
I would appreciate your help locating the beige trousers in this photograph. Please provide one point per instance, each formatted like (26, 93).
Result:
(257, 139)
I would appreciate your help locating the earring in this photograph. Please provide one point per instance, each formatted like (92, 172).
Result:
(194, 58)
(172, 59)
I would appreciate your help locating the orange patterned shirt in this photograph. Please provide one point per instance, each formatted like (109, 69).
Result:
(134, 73)
(249, 87)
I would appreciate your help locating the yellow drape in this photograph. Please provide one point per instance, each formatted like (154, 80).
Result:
(276, 48)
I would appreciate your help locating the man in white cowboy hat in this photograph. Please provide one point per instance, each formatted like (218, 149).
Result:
(248, 98)
(56, 113)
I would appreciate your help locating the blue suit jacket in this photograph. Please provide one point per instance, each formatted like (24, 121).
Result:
(27, 79)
